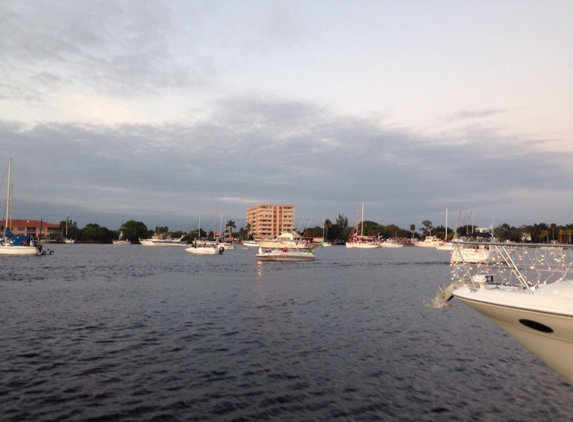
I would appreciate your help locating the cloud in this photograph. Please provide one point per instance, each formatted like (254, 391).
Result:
(475, 114)
(251, 150)
(105, 47)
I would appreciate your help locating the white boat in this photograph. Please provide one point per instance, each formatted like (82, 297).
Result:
(428, 242)
(285, 240)
(251, 243)
(445, 246)
(121, 240)
(477, 251)
(204, 249)
(16, 244)
(357, 241)
(285, 255)
(530, 296)
(390, 243)
(162, 241)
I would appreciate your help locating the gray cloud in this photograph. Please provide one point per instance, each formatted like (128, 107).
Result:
(251, 151)
(104, 45)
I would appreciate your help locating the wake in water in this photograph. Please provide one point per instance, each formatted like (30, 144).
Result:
(443, 296)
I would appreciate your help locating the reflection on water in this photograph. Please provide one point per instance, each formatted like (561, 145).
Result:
(94, 332)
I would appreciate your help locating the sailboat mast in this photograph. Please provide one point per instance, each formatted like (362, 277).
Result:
(362, 225)
(446, 239)
(8, 216)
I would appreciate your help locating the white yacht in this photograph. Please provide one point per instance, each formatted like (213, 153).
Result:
(286, 255)
(162, 241)
(428, 242)
(529, 295)
(285, 240)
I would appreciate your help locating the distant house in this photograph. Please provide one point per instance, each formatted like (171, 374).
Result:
(36, 228)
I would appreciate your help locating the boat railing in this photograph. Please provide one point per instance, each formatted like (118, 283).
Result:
(522, 265)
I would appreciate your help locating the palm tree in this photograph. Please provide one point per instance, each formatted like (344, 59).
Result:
(327, 225)
(230, 225)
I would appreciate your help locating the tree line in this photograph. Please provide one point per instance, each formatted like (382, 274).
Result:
(339, 230)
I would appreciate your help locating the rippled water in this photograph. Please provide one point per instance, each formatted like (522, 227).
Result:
(131, 333)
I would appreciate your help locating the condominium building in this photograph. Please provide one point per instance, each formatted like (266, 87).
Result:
(270, 220)
(35, 228)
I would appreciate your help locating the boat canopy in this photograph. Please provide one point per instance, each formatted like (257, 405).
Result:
(18, 239)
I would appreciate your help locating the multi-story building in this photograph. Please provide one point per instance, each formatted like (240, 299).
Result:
(267, 221)
(35, 228)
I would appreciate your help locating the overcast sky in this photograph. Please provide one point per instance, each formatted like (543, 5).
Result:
(164, 111)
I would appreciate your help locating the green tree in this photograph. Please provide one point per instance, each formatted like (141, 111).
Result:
(427, 227)
(134, 230)
(95, 234)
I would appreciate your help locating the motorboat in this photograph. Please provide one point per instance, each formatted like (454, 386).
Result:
(205, 249)
(163, 241)
(285, 240)
(251, 243)
(390, 243)
(15, 243)
(428, 242)
(529, 295)
(285, 254)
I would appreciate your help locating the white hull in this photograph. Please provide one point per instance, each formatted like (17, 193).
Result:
(19, 250)
(251, 243)
(428, 242)
(359, 245)
(391, 244)
(121, 242)
(162, 242)
(528, 292)
(448, 247)
(207, 250)
(475, 255)
(542, 321)
(69, 241)
(290, 256)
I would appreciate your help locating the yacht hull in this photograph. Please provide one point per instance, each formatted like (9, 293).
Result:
(542, 322)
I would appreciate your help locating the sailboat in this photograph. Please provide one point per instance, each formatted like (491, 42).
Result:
(360, 241)
(204, 248)
(16, 244)
(66, 239)
(121, 240)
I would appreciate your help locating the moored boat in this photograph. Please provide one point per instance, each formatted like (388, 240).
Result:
(361, 241)
(205, 249)
(121, 240)
(285, 255)
(11, 243)
(162, 241)
(285, 240)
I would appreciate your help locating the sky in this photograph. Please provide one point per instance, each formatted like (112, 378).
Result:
(165, 112)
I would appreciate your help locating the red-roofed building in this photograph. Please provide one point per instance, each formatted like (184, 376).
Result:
(36, 228)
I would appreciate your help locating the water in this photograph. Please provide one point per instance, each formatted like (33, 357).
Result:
(132, 333)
